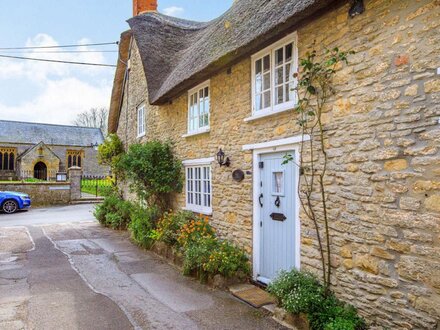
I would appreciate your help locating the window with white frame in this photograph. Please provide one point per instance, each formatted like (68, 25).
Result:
(273, 82)
(198, 109)
(141, 120)
(198, 186)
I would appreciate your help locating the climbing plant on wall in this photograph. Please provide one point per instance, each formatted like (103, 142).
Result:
(315, 89)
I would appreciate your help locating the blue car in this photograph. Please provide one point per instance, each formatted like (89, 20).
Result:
(11, 202)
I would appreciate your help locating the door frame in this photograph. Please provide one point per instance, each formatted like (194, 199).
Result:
(288, 144)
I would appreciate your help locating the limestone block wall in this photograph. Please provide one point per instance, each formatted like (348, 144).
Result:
(383, 143)
(42, 194)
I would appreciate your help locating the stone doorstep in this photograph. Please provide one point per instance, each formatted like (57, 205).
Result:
(278, 314)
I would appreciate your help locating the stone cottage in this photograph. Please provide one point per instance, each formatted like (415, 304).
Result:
(31, 150)
(227, 84)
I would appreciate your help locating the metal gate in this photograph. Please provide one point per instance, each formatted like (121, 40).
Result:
(94, 186)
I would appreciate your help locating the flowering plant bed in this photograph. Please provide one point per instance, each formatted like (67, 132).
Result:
(310, 305)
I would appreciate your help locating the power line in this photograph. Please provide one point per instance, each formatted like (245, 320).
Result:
(63, 46)
(57, 61)
(57, 51)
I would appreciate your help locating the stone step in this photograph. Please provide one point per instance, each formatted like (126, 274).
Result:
(87, 201)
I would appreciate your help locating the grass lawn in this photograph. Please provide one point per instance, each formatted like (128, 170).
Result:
(89, 186)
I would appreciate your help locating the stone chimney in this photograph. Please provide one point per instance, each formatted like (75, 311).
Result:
(144, 6)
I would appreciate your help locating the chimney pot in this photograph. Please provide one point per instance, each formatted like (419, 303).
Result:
(144, 6)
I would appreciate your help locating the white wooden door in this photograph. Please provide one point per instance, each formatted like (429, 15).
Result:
(277, 215)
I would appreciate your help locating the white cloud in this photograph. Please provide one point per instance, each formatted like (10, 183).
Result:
(174, 11)
(60, 102)
(65, 90)
(40, 71)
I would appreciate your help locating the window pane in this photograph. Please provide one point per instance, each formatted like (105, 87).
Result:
(279, 94)
(206, 91)
(266, 100)
(258, 101)
(258, 76)
(289, 72)
(279, 56)
(289, 52)
(266, 82)
(277, 182)
(279, 76)
(266, 61)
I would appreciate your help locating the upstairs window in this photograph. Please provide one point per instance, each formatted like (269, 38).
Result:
(141, 121)
(198, 109)
(273, 82)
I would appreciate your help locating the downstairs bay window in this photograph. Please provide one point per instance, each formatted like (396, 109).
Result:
(198, 185)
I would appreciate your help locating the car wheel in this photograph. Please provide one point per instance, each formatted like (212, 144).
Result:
(10, 206)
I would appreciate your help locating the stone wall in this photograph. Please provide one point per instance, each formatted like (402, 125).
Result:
(383, 143)
(42, 194)
(49, 193)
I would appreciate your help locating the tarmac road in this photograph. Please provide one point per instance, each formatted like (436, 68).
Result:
(59, 269)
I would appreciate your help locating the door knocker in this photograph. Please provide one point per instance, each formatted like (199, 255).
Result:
(278, 201)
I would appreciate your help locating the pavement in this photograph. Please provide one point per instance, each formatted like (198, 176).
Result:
(59, 269)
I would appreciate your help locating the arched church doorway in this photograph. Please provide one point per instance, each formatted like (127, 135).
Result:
(40, 171)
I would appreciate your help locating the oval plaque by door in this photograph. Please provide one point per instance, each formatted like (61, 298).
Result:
(238, 175)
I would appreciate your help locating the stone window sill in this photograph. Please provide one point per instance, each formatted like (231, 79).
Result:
(199, 132)
(198, 211)
(266, 114)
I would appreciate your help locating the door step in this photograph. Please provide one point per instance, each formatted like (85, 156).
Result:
(252, 295)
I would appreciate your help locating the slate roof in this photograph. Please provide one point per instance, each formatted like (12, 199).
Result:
(34, 133)
(178, 54)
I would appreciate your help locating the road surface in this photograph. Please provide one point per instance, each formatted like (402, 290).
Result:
(59, 269)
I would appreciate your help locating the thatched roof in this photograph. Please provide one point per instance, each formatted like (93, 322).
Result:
(179, 54)
(118, 83)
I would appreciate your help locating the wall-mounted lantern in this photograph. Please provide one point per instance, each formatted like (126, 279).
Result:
(221, 159)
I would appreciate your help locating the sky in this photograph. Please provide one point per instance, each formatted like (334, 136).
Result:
(56, 93)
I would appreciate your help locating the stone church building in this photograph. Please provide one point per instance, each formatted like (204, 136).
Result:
(40, 151)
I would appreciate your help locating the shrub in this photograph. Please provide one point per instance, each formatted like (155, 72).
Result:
(300, 292)
(114, 212)
(153, 171)
(227, 260)
(142, 223)
(169, 226)
(194, 231)
(196, 254)
(332, 314)
(110, 154)
(296, 291)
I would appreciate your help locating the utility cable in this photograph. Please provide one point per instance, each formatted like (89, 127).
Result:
(57, 61)
(62, 46)
(56, 51)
